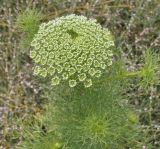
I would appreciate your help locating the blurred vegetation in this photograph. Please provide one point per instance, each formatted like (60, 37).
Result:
(28, 23)
(136, 27)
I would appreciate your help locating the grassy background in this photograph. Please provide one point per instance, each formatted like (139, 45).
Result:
(136, 27)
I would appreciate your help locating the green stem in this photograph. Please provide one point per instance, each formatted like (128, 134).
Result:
(125, 75)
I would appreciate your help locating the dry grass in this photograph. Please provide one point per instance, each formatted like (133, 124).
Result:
(135, 25)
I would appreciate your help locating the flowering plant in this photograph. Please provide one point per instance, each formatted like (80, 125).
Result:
(78, 50)
(72, 48)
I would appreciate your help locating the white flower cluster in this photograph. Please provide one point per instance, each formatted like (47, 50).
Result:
(72, 48)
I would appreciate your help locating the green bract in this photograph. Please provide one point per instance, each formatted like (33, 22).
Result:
(72, 48)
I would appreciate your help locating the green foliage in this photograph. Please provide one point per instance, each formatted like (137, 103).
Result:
(150, 70)
(148, 74)
(72, 48)
(28, 22)
(88, 118)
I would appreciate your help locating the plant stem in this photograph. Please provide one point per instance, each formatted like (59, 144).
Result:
(125, 75)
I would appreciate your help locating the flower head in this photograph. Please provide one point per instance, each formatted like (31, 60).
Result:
(72, 48)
